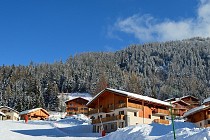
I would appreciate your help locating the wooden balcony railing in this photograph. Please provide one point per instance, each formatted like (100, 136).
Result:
(181, 107)
(94, 111)
(161, 121)
(107, 119)
(122, 105)
(116, 106)
(160, 111)
(137, 106)
(175, 112)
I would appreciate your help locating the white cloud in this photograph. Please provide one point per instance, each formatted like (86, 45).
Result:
(147, 28)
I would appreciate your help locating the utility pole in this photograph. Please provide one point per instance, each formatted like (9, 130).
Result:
(172, 119)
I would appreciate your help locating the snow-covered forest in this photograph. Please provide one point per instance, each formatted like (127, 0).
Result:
(160, 70)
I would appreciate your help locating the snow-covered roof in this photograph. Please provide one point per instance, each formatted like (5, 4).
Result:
(32, 110)
(188, 96)
(194, 110)
(169, 99)
(9, 108)
(77, 98)
(177, 99)
(129, 94)
(180, 101)
(206, 100)
(2, 114)
(71, 96)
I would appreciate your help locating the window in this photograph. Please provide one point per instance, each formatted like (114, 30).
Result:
(150, 116)
(121, 101)
(135, 114)
(4, 111)
(121, 125)
(112, 126)
(8, 117)
(99, 116)
(105, 127)
(208, 121)
(121, 112)
(162, 117)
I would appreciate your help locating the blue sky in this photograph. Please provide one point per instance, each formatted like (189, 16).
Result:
(52, 30)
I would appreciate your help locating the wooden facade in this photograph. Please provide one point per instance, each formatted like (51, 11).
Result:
(113, 109)
(193, 101)
(35, 114)
(76, 106)
(183, 104)
(200, 115)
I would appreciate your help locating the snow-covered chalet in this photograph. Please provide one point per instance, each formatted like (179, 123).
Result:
(77, 106)
(200, 115)
(35, 114)
(9, 113)
(111, 109)
(183, 104)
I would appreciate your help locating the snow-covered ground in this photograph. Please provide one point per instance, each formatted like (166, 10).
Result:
(184, 130)
(78, 127)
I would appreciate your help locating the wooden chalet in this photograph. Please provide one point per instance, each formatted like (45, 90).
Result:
(183, 104)
(10, 113)
(200, 115)
(112, 109)
(35, 114)
(179, 107)
(76, 106)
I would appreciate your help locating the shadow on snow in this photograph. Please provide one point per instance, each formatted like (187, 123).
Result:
(73, 131)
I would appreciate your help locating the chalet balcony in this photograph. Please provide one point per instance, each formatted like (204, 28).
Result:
(159, 111)
(100, 110)
(129, 105)
(176, 112)
(136, 106)
(122, 105)
(161, 121)
(180, 107)
(107, 119)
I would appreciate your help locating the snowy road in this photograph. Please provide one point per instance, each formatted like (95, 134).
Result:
(41, 130)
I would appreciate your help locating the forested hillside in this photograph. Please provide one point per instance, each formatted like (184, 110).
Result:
(160, 70)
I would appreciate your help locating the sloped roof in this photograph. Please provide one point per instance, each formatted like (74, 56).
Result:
(9, 108)
(2, 114)
(177, 99)
(180, 101)
(169, 99)
(77, 98)
(206, 100)
(196, 109)
(32, 110)
(71, 96)
(188, 96)
(133, 95)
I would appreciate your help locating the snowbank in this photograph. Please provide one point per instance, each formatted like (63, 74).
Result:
(149, 131)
